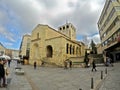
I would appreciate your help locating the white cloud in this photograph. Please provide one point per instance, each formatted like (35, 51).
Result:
(23, 15)
(96, 38)
(4, 33)
(8, 44)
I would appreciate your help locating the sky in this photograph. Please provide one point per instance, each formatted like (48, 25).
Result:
(20, 17)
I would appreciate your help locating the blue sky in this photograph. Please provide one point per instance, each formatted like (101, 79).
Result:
(19, 17)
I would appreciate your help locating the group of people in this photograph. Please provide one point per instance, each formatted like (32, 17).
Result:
(3, 73)
(87, 64)
(109, 61)
(66, 64)
(69, 62)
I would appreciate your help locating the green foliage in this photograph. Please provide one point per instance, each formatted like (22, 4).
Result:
(93, 47)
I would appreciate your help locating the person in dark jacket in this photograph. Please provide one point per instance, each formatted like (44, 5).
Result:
(9, 61)
(70, 64)
(35, 64)
(93, 66)
(2, 74)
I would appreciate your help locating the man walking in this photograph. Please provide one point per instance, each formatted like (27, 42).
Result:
(2, 74)
(93, 66)
(35, 64)
(70, 64)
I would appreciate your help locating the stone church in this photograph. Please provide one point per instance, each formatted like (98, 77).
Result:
(54, 46)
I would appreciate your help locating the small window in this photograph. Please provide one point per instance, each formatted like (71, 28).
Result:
(67, 26)
(60, 28)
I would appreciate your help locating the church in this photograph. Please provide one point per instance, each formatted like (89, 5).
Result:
(54, 46)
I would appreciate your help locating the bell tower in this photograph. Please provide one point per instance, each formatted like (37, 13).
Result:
(69, 30)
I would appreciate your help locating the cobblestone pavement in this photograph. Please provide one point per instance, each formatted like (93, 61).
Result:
(44, 78)
(112, 81)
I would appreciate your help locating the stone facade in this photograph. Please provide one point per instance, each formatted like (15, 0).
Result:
(25, 46)
(109, 29)
(2, 49)
(99, 48)
(9, 52)
(52, 46)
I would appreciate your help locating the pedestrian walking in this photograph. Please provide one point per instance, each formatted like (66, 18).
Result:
(35, 64)
(93, 66)
(111, 62)
(2, 74)
(9, 61)
(65, 64)
(6, 73)
(107, 61)
(87, 61)
(70, 64)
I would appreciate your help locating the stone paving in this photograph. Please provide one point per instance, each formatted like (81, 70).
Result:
(112, 81)
(44, 78)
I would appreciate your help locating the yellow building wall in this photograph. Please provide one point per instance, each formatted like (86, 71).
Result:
(48, 36)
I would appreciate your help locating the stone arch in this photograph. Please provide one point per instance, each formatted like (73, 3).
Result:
(49, 51)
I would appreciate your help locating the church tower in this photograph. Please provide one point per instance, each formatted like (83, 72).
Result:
(69, 30)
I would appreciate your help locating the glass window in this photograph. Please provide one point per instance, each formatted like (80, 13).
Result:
(117, 8)
(67, 26)
(114, 0)
(60, 28)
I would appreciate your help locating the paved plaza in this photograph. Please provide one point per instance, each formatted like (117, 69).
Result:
(46, 78)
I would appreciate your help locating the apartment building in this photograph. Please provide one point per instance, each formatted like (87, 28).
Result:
(25, 47)
(109, 29)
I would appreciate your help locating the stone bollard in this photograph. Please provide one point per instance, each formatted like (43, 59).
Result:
(105, 70)
(92, 83)
(101, 74)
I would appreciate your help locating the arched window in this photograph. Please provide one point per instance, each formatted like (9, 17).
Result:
(70, 49)
(49, 51)
(67, 48)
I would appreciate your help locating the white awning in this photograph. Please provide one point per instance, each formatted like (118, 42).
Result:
(5, 57)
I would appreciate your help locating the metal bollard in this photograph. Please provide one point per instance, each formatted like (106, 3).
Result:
(105, 70)
(92, 83)
(101, 74)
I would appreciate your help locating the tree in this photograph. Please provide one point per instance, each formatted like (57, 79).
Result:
(86, 59)
(93, 47)
(86, 56)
